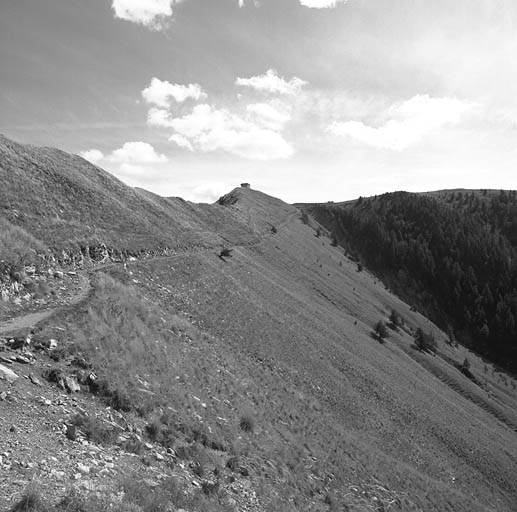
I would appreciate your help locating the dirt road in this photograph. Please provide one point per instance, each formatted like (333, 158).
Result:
(30, 320)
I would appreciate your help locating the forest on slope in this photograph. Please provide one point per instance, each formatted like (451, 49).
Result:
(450, 253)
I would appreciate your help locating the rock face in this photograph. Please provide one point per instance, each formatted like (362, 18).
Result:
(7, 374)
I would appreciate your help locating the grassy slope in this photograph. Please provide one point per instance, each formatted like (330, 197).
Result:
(282, 329)
(306, 316)
(66, 202)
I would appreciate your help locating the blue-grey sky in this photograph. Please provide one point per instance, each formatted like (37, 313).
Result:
(309, 100)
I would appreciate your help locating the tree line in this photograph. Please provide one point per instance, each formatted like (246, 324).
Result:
(452, 255)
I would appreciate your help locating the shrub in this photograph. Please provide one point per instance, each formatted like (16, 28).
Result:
(111, 396)
(95, 430)
(334, 241)
(153, 430)
(425, 341)
(381, 331)
(225, 253)
(465, 368)
(274, 230)
(304, 218)
(359, 267)
(246, 423)
(17, 247)
(233, 463)
(148, 499)
(396, 319)
(30, 502)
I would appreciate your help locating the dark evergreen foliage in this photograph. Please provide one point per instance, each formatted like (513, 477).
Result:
(452, 254)
(425, 341)
(381, 331)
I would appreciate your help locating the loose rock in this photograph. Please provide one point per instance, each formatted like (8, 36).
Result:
(7, 374)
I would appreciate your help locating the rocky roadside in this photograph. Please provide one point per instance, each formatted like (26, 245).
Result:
(36, 289)
(42, 441)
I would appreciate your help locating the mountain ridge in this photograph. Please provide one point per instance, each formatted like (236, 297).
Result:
(266, 360)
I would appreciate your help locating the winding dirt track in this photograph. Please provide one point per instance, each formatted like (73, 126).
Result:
(30, 320)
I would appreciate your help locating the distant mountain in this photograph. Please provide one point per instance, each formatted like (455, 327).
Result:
(451, 253)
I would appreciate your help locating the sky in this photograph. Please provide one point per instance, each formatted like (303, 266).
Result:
(307, 100)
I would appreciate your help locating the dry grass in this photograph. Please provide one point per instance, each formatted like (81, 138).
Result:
(17, 247)
(283, 330)
(137, 496)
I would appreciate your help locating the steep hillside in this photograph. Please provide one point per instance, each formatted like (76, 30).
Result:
(67, 203)
(450, 253)
(255, 380)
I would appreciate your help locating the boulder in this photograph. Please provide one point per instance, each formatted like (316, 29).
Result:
(7, 374)
(71, 432)
(34, 380)
(71, 385)
(23, 360)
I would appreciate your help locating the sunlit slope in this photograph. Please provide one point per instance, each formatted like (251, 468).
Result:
(296, 304)
(282, 329)
(68, 203)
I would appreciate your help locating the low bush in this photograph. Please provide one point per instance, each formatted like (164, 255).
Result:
(381, 332)
(396, 320)
(425, 341)
(95, 430)
(31, 501)
(17, 247)
(246, 423)
(225, 253)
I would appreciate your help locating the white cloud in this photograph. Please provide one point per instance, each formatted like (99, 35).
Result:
(160, 93)
(181, 141)
(138, 164)
(272, 83)
(208, 129)
(408, 122)
(92, 155)
(209, 192)
(321, 4)
(150, 13)
(136, 153)
(268, 116)
(159, 117)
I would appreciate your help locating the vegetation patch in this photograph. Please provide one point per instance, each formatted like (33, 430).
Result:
(95, 430)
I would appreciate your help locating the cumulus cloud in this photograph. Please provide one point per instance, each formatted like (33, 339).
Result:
(151, 13)
(321, 4)
(407, 122)
(181, 141)
(268, 116)
(161, 93)
(270, 82)
(159, 117)
(252, 131)
(92, 155)
(137, 153)
(209, 191)
(208, 129)
(134, 162)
